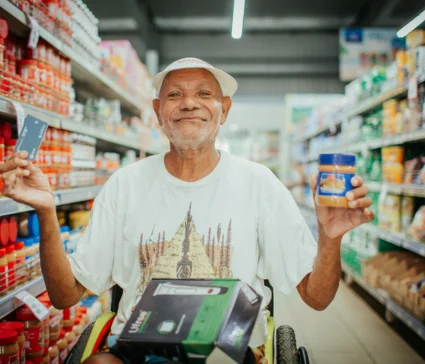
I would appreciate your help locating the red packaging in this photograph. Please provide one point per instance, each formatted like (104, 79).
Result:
(3, 271)
(19, 328)
(8, 337)
(13, 230)
(11, 266)
(4, 28)
(34, 338)
(6, 131)
(4, 232)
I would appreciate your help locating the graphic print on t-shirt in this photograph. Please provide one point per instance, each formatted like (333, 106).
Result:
(187, 255)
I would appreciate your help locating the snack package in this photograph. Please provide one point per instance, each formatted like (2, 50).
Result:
(407, 208)
(389, 213)
(417, 228)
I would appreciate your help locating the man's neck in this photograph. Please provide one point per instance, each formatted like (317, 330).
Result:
(191, 165)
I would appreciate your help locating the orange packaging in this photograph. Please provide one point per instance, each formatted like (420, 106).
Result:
(401, 58)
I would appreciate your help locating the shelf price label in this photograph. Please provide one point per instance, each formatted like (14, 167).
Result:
(36, 307)
(412, 92)
(35, 33)
(20, 115)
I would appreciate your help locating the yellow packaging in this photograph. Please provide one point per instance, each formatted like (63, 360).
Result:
(390, 110)
(389, 213)
(415, 38)
(79, 219)
(407, 211)
(401, 58)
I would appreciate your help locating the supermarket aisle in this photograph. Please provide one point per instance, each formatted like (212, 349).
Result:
(348, 332)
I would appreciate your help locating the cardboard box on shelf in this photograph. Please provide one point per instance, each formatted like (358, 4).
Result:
(195, 320)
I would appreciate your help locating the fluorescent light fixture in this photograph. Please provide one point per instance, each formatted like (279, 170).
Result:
(238, 15)
(413, 24)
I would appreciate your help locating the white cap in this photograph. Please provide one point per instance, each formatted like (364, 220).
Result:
(228, 83)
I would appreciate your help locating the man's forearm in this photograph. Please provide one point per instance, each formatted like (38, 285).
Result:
(318, 289)
(64, 290)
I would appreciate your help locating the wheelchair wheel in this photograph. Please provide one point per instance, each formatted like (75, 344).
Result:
(286, 346)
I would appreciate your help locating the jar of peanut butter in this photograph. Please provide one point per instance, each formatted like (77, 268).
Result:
(9, 349)
(334, 179)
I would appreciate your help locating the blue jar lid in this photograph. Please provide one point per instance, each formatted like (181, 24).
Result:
(27, 241)
(33, 225)
(65, 229)
(338, 159)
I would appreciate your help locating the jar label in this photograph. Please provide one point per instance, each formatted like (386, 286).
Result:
(34, 340)
(9, 358)
(334, 184)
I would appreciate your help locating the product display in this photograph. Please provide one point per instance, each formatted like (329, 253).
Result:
(334, 179)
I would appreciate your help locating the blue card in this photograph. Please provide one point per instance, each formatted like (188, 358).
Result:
(31, 137)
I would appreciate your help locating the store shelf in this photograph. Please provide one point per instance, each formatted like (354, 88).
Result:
(8, 303)
(82, 69)
(374, 102)
(413, 136)
(403, 189)
(83, 164)
(97, 133)
(382, 297)
(398, 239)
(7, 109)
(62, 197)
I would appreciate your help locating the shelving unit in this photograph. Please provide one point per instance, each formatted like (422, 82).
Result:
(359, 109)
(403, 189)
(9, 303)
(82, 70)
(360, 146)
(392, 306)
(63, 197)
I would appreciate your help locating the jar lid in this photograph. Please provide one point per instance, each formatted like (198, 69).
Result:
(33, 225)
(77, 321)
(64, 229)
(8, 337)
(25, 314)
(28, 62)
(11, 142)
(4, 28)
(337, 159)
(10, 249)
(2, 253)
(4, 231)
(82, 309)
(1, 138)
(13, 230)
(19, 245)
(27, 241)
(7, 131)
(13, 325)
(62, 334)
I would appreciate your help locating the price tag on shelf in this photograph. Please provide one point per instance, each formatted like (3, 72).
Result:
(20, 115)
(35, 33)
(36, 307)
(412, 92)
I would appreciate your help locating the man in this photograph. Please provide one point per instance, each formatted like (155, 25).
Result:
(194, 212)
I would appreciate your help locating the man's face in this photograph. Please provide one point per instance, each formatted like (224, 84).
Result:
(191, 108)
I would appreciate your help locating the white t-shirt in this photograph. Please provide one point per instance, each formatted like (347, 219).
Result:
(239, 221)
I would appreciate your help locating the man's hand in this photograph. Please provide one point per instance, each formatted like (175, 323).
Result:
(25, 183)
(335, 222)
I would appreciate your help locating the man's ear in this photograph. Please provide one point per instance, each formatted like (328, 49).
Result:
(226, 104)
(156, 106)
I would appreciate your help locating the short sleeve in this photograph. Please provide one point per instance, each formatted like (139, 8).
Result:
(93, 259)
(287, 246)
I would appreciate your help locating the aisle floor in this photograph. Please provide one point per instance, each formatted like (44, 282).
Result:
(348, 331)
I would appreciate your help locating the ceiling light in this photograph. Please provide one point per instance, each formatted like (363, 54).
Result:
(413, 24)
(238, 15)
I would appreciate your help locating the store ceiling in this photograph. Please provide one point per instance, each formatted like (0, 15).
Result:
(296, 41)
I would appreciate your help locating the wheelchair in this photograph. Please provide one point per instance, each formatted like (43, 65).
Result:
(280, 346)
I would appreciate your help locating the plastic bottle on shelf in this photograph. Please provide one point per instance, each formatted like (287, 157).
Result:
(9, 348)
(21, 274)
(4, 232)
(63, 347)
(11, 267)
(29, 257)
(13, 230)
(19, 328)
(3, 272)
(34, 335)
